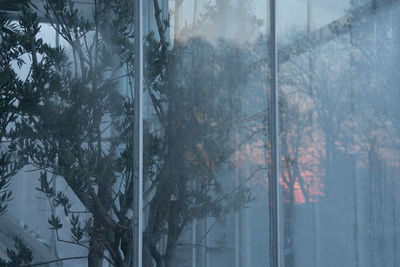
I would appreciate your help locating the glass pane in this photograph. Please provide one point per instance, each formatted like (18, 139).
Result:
(295, 18)
(66, 134)
(339, 140)
(205, 134)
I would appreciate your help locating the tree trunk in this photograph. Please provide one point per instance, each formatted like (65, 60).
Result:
(99, 235)
(168, 256)
(165, 261)
(95, 258)
(147, 257)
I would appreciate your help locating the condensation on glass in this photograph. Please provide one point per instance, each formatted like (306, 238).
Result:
(339, 135)
(206, 132)
(206, 108)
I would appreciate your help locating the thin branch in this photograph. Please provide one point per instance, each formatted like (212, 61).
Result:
(69, 242)
(208, 231)
(197, 245)
(52, 261)
(71, 211)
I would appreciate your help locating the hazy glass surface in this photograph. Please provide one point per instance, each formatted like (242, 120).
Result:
(212, 125)
(297, 17)
(206, 119)
(69, 135)
(339, 143)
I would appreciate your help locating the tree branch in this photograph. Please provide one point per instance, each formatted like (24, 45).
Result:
(52, 261)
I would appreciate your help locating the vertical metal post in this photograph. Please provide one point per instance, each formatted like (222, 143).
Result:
(309, 15)
(194, 241)
(310, 80)
(138, 139)
(274, 126)
(237, 244)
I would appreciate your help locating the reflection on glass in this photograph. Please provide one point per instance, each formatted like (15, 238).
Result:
(66, 134)
(339, 143)
(205, 131)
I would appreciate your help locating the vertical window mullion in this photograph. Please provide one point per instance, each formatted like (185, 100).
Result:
(273, 140)
(138, 138)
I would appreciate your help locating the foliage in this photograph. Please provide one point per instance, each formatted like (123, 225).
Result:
(21, 255)
(200, 90)
(11, 86)
(75, 124)
(196, 92)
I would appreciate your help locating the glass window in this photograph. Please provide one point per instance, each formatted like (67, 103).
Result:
(207, 107)
(70, 76)
(338, 140)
